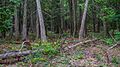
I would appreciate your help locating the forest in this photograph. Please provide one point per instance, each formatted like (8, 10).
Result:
(59, 33)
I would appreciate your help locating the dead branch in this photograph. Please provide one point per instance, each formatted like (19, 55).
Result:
(87, 41)
(113, 46)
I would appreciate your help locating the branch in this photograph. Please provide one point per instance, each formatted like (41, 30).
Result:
(113, 46)
(80, 43)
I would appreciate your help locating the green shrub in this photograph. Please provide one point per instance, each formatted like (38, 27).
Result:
(116, 60)
(109, 41)
(44, 51)
(117, 36)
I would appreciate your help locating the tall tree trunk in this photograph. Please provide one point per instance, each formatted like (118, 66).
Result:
(16, 24)
(79, 20)
(93, 17)
(74, 16)
(24, 31)
(42, 27)
(61, 15)
(82, 28)
(37, 28)
(31, 24)
(71, 17)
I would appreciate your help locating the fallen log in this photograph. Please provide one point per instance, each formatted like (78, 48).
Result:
(11, 60)
(87, 41)
(15, 53)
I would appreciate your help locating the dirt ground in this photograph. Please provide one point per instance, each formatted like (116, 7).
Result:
(90, 54)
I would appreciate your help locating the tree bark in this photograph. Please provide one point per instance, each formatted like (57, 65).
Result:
(37, 28)
(42, 27)
(94, 17)
(61, 15)
(16, 25)
(105, 26)
(82, 28)
(74, 16)
(15, 54)
(71, 17)
(24, 31)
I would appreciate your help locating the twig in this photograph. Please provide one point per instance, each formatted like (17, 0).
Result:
(112, 46)
(113, 38)
(114, 41)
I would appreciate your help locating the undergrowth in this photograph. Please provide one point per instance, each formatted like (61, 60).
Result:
(110, 40)
(44, 51)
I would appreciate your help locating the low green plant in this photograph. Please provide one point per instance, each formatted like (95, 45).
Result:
(116, 61)
(109, 41)
(99, 57)
(44, 51)
(78, 55)
(117, 36)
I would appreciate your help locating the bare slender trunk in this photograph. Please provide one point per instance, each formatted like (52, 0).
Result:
(93, 17)
(105, 25)
(42, 27)
(61, 16)
(24, 31)
(31, 24)
(37, 28)
(16, 26)
(74, 16)
(82, 28)
(71, 17)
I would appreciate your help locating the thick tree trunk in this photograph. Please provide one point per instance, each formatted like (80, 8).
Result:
(42, 27)
(82, 28)
(16, 24)
(24, 31)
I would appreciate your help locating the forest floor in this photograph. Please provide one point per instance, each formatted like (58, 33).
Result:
(89, 54)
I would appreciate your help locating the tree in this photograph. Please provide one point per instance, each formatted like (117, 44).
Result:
(41, 20)
(24, 30)
(82, 28)
(37, 27)
(16, 24)
(74, 16)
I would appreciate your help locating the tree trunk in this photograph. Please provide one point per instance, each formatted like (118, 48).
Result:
(24, 31)
(97, 26)
(71, 17)
(105, 26)
(16, 25)
(37, 28)
(82, 28)
(61, 15)
(31, 24)
(74, 16)
(94, 17)
(42, 27)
